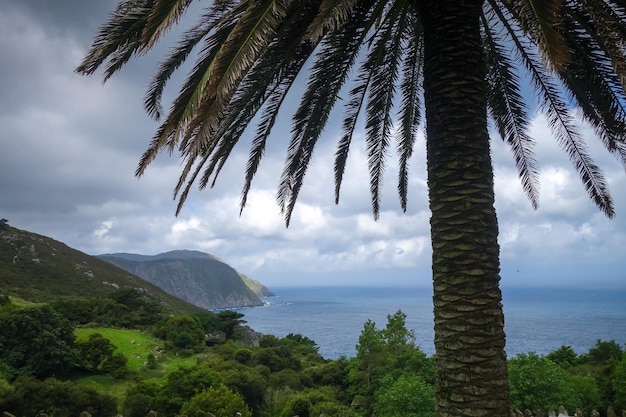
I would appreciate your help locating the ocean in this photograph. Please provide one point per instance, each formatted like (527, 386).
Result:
(536, 320)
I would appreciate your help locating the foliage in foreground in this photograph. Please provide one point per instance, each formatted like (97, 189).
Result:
(279, 377)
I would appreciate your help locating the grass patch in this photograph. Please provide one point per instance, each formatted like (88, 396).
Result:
(107, 385)
(134, 344)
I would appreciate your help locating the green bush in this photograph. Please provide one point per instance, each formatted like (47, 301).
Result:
(298, 405)
(184, 332)
(218, 400)
(37, 341)
(31, 397)
(537, 383)
(408, 396)
(619, 384)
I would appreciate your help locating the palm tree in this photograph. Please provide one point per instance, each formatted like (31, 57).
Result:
(461, 62)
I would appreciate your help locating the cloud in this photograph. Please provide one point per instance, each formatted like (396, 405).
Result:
(568, 229)
(70, 147)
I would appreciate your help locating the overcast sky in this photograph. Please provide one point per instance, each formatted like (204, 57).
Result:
(69, 146)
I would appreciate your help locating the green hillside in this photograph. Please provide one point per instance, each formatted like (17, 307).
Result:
(37, 268)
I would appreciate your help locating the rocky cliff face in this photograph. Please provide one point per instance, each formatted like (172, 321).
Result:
(196, 277)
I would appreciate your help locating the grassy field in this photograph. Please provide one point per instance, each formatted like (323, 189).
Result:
(136, 346)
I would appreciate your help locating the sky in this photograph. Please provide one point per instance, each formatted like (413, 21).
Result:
(69, 147)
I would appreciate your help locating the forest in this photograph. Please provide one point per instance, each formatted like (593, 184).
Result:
(122, 354)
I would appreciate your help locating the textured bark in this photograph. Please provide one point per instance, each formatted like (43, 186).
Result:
(469, 323)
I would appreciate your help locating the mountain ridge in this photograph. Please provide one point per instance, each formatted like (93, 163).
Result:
(38, 268)
(197, 277)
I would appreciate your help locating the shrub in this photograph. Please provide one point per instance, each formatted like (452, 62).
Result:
(218, 400)
(408, 396)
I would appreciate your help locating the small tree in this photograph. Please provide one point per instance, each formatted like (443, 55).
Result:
(229, 322)
(94, 351)
(369, 357)
(564, 356)
(601, 362)
(185, 332)
(537, 383)
(408, 396)
(218, 400)
(98, 355)
(37, 341)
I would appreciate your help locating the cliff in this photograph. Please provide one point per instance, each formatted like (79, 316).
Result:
(196, 277)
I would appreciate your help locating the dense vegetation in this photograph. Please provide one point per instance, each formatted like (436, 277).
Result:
(123, 354)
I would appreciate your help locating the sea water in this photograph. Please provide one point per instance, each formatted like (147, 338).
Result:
(536, 320)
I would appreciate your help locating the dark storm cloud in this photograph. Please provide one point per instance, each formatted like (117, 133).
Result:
(68, 15)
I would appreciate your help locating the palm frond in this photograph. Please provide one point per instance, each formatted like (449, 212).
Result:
(506, 103)
(269, 77)
(266, 124)
(562, 125)
(594, 84)
(182, 197)
(338, 51)
(163, 15)
(609, 22)
(272, 101)
(353, 108)
(245, 43)
(185, 107)
(541, 20)
(331, 15)
(118, 39)
(410, 113)
(189, 40)
(383, 61)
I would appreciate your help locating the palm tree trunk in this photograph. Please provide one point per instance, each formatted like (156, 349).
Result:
(469, 324)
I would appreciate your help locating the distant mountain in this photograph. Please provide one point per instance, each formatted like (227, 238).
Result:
(197, 277)
(37, 268)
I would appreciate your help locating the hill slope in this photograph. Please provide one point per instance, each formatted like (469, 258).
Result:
(197, 277)
(37, 268)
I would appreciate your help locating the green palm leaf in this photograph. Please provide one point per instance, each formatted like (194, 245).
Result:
(352, 111)
(410, 113)
(593, 83)
(163, 15)
(541, 19)
(507, 106)
(236, 55)
(338, 51)
(189, 40)
(331, 15)
(383, 62)
(118, 39)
